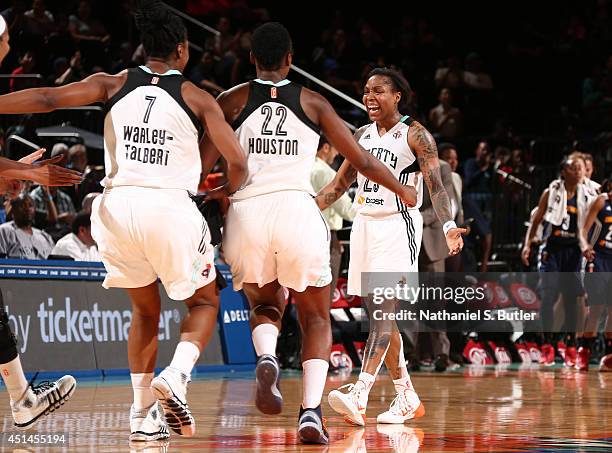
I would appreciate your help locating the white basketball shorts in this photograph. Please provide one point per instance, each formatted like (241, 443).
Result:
(387, 246)
(144, 233)
(277, 236)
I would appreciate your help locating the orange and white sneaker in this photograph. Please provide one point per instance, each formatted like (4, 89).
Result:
(351, 404)
(405, 406)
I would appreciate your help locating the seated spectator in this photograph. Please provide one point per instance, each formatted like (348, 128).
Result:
(18, 238)
(474, 77)
(203, 74)
(73, 72)
(77, 157)
(445, 119)
(27, 64)
(54, 210)
(39, 19)
(450, 76)
(79, 244)
(88, 201)
(477, 178)
(84, 27)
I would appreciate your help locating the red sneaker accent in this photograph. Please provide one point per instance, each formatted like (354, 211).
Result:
(561, 348)
(548, 355)
(582, 359)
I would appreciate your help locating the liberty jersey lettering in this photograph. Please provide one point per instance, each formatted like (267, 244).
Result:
(280, 140)
(150, 135)
(393, 151)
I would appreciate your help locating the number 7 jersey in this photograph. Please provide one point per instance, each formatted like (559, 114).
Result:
(392, 150)
(151, 136)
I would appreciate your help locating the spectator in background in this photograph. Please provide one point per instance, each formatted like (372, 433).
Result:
(77, 157)
(88, 201)
(203, 74)
(445, 120)
(448, 153)
(60, 42)
(477, 175)
(342, 209)
(18, 238)
(54, 210)
(27, 65)
(73, 72)
(591, 187)
(450, 76)
(84, 27)
(79, 245)
(474, 77)
(39, 20)
(125, 58)
(14, 16)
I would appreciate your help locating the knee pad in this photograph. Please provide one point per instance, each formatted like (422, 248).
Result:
(8, 341)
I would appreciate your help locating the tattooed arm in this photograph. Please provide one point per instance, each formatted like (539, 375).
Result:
(424, 146)
(345, 177)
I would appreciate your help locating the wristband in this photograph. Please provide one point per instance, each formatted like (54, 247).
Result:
(448, 226)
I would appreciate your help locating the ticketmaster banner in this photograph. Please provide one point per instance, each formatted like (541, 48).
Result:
(78, 325)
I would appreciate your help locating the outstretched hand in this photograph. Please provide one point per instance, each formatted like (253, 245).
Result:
(46, 173)
(454, 240)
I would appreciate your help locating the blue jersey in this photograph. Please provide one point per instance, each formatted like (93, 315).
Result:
(565, 234)
(603, 241)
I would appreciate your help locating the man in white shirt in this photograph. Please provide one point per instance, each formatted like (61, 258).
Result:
(79, 244)
(342, 209)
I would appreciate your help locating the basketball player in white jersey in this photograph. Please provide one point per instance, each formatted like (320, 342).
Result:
(275, 235)
(145, 224)
(28, 402)
(386, 237)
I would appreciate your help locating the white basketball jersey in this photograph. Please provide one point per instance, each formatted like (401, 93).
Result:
(392, 150)
(281, 141)
(151, 136)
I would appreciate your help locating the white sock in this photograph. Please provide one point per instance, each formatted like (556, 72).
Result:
(264, 339)
(315, 375)
(402, 384)
(185, 357)
(141, 384)
(14, 379)
(367, 380)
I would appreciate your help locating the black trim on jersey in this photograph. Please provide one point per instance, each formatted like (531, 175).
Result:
(408, 121)
(287, 95)
(403, 210)
(171, 84)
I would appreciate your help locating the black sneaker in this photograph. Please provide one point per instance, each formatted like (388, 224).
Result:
(268, 398)
(441, 363)
(311, 426)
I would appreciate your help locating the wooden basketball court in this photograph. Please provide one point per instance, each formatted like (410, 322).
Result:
(471, 410)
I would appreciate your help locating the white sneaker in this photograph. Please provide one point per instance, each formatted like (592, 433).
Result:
(40, 400)
(148, 424)
(405, 406)
(170, 388)
(351, 404)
